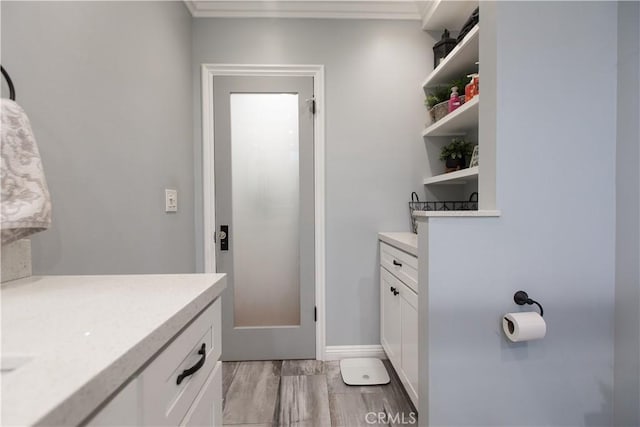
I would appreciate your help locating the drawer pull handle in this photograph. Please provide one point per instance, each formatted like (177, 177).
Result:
(399, 264)
(192, 370)
(394, 290)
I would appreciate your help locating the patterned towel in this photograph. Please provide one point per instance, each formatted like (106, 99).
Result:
(25, 204)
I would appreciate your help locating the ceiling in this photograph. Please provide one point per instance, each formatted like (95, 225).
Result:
(332, 9)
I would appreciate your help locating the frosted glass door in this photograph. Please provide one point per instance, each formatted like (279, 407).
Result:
(264, 197)
(265, 209)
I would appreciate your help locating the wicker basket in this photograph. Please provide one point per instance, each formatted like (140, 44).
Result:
(440, 110)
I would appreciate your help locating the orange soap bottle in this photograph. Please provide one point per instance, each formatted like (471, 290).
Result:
(468, 89)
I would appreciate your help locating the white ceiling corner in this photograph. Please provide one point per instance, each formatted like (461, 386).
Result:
(329, 9)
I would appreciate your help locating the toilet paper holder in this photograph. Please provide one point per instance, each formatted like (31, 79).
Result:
(522, 298)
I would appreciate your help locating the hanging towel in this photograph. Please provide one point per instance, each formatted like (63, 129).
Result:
(25, 204)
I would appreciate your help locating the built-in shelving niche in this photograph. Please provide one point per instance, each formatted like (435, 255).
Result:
(473, 121)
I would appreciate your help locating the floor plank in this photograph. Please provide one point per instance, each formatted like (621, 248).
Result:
(391, 408)
(251, 397)
(251, 425)
(366, 409)
(395, 391)
(351, 409)
(228, 371)
(304, 401)
(302, 367)
(309, 393)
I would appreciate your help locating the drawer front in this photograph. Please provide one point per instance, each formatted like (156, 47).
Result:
(401, 264)
(207, 408)
(164, 401)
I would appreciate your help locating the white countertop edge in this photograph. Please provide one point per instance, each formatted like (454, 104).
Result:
(477, 214)
(75, 408)
(406, 241)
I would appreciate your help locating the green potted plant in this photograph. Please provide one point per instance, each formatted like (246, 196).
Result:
(437, 102)
(455, 154)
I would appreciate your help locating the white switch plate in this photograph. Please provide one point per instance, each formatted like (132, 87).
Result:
(170, 200)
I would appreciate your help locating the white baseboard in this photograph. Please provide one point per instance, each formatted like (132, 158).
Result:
(339, 352)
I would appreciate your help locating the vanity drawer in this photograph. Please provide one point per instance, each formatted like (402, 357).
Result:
(401, 264)
(164, 401)
(207, 408)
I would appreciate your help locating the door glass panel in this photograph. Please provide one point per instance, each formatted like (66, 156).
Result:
(265, 209)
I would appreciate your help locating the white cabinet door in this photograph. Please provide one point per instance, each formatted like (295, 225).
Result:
(390, 320)
(409, 346)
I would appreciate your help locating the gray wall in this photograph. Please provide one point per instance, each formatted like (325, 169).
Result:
(626, 395)
(556, 142)
(375, 156)
(107, 86)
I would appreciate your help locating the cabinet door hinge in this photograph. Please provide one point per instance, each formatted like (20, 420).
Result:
(315, 314)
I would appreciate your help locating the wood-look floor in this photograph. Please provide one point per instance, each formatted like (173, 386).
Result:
(308, 393)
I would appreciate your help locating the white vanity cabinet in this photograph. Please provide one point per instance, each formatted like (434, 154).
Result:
(399, 312)
(180, 386)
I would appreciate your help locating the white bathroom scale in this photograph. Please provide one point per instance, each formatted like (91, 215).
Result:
(363, 371)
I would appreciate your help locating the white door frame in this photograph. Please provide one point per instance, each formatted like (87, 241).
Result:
(208, 175)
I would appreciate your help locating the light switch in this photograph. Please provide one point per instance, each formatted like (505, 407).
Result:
(171, 200)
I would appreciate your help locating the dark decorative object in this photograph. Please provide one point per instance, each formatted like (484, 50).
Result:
(442, 48)
(471, 22)
(456, 164)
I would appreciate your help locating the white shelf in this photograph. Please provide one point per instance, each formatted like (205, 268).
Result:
(470, 214)
(449, 14)
(459, 122)
(461, 60)
(458, 177)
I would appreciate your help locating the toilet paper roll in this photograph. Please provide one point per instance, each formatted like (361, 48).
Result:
(524, 326)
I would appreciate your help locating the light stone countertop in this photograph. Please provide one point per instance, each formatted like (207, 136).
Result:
(406, 241)
(86, 335)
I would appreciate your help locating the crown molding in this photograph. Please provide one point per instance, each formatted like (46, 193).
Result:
(190, 6)
(331, 9)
